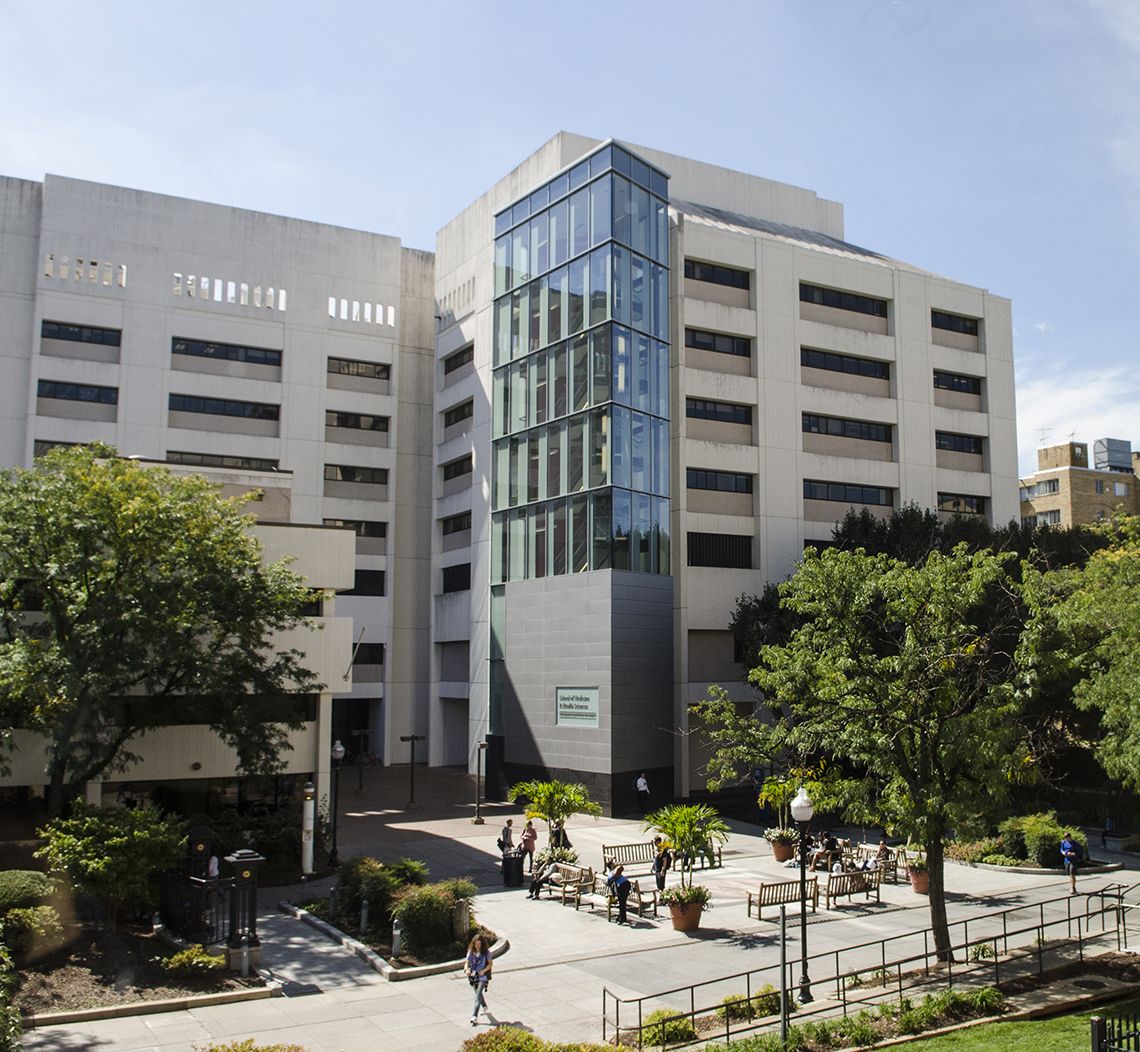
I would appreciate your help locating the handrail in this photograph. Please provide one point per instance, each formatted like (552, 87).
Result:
(1117, 909)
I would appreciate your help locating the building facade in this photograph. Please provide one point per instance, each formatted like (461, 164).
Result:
(1068, 490)
(626, 388)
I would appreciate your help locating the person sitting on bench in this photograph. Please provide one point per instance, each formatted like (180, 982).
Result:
(828, 846)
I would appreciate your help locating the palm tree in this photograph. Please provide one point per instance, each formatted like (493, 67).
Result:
(689, 829)
(554, 801)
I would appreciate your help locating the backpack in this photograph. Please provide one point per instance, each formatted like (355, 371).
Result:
(499, 844)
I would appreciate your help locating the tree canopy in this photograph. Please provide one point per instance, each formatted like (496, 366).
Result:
(554, 801)
(1085, 629)
(903, 674)
(132, 598)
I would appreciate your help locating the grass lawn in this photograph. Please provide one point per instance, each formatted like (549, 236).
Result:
(1030, 1035)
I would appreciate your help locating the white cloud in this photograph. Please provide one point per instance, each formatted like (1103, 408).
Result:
(1043, 326)
(1059, 400)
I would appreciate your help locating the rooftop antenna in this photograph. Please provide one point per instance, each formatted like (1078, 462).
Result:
(1072, 435)
(1042, 434)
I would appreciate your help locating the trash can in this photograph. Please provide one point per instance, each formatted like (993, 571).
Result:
(512, 870)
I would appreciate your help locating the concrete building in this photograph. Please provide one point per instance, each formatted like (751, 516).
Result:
(627, 388)
(267, 353)
(609, 510)
(1066, 490)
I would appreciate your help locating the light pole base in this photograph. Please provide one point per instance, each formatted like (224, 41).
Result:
(476, 821)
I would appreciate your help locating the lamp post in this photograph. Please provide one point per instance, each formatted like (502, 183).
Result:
(478, 819)
(413, 738)
(338, 752)
(802, 811)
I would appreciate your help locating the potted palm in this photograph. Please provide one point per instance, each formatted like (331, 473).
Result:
(553, 803)
(689, 829)
(777, 793)
(919, 873)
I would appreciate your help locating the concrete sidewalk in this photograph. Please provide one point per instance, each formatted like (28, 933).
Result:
(551, 979)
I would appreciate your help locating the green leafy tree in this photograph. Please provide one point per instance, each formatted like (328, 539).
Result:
(689, 829)
(132, 598)
(115, 853)
(1085, 627)
(554, 801)
(904, 675)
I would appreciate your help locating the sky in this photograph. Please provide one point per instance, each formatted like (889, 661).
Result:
(996, 142)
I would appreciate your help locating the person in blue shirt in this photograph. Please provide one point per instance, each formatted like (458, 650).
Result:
(619, 882)
(1071, 855)
(478, 971)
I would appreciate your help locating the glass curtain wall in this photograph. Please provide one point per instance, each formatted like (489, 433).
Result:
(581, 374)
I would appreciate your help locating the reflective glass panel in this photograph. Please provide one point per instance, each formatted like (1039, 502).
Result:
(498, 549)
(638, 294)
(538, 391)
(559, 286)
(639, 220)
(555, 459)
(660, 294)
(502, 473)
(661, 217)
(599, 448)
(576, 319)
(661, 525)
(622, 365)
(503, 330)
(501, 402)
(621, 284)
(580, 360)
(660, 457)
(502, 265)
(600, 358)
(536, 543)
(623, 519)
(579, 174)
(520, 254)
(643, 554)
(639, 452)
(558, 538)
(600, 161)
(621, 203)
(575, 454)
(621, 447)
(603, 546)
(559, 237)
(516, 545)
(540, 243)
(535, 316)
(514, 471)
(579, 222)
(558, 379)
(642, 373)
(661, 388)
(600, 218)
(579, 535)
(599, 285)
(518, 413)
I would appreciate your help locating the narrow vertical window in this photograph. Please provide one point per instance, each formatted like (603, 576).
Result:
(368, 313)
(244, 295)
(122, 275)
(257, 295)
(49, 265)
(231, 292)
(391, 314)
(269, 298)
(93, 271)
(217, 290)
(356, 310)
(344, 310)
(281, 299)
(177, 288)
(191, 283)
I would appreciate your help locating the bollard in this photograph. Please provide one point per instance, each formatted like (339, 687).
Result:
(245, 956)
(397, 935)
(363, 916)
(332, 902)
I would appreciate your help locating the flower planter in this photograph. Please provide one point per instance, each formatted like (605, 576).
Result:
(782, 850)
(919, 881)
(686, 915)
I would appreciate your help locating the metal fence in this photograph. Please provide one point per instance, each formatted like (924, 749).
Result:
(1119, 1033)
(987, 949)
(195, 908)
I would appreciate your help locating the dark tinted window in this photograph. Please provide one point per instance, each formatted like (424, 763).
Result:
(962, 503)
(227, 352)
(369, 654)
(352, 473)
(720, 549)
(458, 359)
(367, 582)
(355, 421)
(957, 382)
(725, 412)
(954, 323)
(361, 527)
(60, 330)
(180, 403)
(221, 460)
(462, 466)
(457, 578)
(720, 342)
(78, 392)
(840, 300)
(716, 274)
(722, 481)
(847, 493)
(368, 370)
(457, 523)
(957, 443)
(844, 363)
(843, 428)
(459, 413)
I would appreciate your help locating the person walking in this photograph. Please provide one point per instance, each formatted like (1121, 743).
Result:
(477, 968)
(619, 882)
(1071, 854)
(528, 838)
(507, 837)
(643, 793)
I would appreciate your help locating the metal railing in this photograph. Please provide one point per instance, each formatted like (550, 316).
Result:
(196, 909)
(1047, 932)
(1119, 1033)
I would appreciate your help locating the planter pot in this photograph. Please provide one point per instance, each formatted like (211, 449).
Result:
(919, 881)
(782, 850)
(686, 915)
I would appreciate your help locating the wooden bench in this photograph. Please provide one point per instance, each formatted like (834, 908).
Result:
(848, 884)
(889, 865)
(783, 891)
(643, 854)
(601, 894)
(567, 882)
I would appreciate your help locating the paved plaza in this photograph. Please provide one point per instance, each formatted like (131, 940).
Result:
(551, 978)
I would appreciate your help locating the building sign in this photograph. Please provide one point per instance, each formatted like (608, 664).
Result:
(576, 706)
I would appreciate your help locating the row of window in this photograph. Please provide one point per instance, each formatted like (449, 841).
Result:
(180, 403)
(356, 473)
(1045, 488)
(58, 330)
(456, 523)
(1043, 518)
(720, 481)
(457, 414)
(720, 342)
(722, 412)
(457, 578)
(865, 430)
(458, 468)
(226, 352)
(716, 274)
(730, 550)
(847, 493)
(78, 392)
(361, 527)
(956, 443)
(368, 654)
(849, 301)
(954, 323)
(844, 363)
(957, 382)
(221, 460)
(367, 582)
(459, 359)
(356, 421)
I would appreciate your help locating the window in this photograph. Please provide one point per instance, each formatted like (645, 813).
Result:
(954, 323)
(716, 274)
(1120, 489)
(1047, 486)
(847, 493)
(456, 523)
(458, 359)
(42, 446)
(720, 342)
(462, 466)
(842, 428)
(352, 473)
(368, 654)
(59, 330)
(960, 443)
(355, 421)
(459, 413)
(722, 481)
(844, 363)
(961, 503)
(457, 578)
(221, 460)
(1048, 518)
(724, 412)
(367, 582)
(180, 403)
(226, 352)
(851, 301)
(366, 370)
(957, 382)
(720, 549)
(78, 392)
(361, 527)
(1099, 486)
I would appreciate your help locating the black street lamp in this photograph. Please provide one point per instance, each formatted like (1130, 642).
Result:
(338, 752)
(478, 819)
(802, 811)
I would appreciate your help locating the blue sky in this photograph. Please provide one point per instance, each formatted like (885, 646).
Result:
(994, 141)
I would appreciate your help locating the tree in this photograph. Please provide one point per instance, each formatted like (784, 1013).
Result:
(903, 674)
(1085, 628)
(554, 802)
(132, 598)
(114, 852)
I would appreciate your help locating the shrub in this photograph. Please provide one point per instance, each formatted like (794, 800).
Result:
(24, 927)
(21, 888)
(565, 855)
(664, 1025)
(974, 850)
(1002, 860)
(250, 1045)
(858, 1029)
(425, 913)
(765, 1001)
(981, 951)
(410, 871)
(513, 1039)
(192, 962)
(365, 880)
(986, 1000)
(10, 1028)
(115, 852)
(1037, 838)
